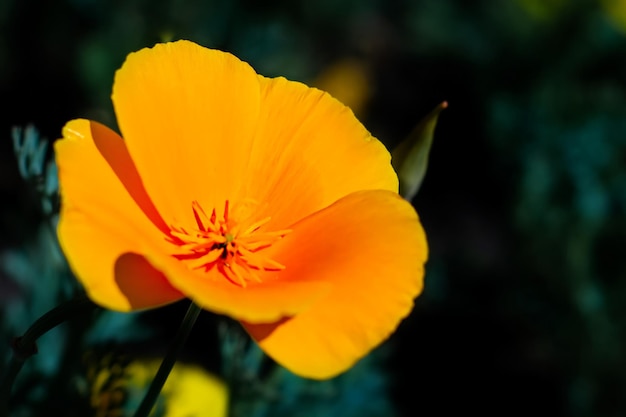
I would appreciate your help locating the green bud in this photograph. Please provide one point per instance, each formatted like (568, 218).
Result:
(410, 157)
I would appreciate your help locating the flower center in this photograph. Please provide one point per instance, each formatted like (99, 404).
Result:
(233, 243)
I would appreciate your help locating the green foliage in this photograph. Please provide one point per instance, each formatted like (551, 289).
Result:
(261, 389)
(30, 150)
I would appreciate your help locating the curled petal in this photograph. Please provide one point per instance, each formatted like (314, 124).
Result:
(106, 219)
(370, 249)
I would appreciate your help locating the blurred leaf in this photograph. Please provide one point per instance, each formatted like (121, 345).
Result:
(410, 157)
(542, 9)
(260, 388)
(112, 326)
(30, 150)
(615, 10)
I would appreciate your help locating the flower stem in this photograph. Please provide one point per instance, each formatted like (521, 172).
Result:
(25, 346)
(168, 362)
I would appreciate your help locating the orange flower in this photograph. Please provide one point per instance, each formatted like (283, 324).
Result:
(258, 198)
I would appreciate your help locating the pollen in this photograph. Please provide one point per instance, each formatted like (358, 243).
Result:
(232, 241)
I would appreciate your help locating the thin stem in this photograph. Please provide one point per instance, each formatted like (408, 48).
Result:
(54, 317)
(168, 362)
(25, 346)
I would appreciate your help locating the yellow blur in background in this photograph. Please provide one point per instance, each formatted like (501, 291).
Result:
(190, 391)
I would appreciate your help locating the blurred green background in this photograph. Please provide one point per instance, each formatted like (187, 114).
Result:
(524, 202)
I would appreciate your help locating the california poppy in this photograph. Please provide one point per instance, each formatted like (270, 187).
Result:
(257, 198)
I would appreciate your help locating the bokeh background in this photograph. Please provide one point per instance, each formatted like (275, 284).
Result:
(524, 201)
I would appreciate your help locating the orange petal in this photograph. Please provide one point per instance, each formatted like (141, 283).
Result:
(371, 249)
(106, 218)
(310, 151)
(201, 125)
(187, 114)
(264, 301)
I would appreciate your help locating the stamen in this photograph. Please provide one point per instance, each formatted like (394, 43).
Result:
(199, 214)
(256, 225)
(232, 243)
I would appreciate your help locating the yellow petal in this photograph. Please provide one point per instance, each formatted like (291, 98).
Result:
(202, 126)
(191, 391)
(106, 220)
(371, 249)
(187, 114)
(188, 391)
(310, 151)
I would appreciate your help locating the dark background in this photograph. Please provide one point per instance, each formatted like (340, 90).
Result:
(525, 198)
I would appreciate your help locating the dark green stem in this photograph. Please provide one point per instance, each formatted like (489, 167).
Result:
(25, 346)
(168, 362)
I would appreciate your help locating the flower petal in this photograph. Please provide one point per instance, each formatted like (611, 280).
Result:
(202, 126)
(371, 249)
(266, 301)
(106, 218)
(187, 114)
(310, 151)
